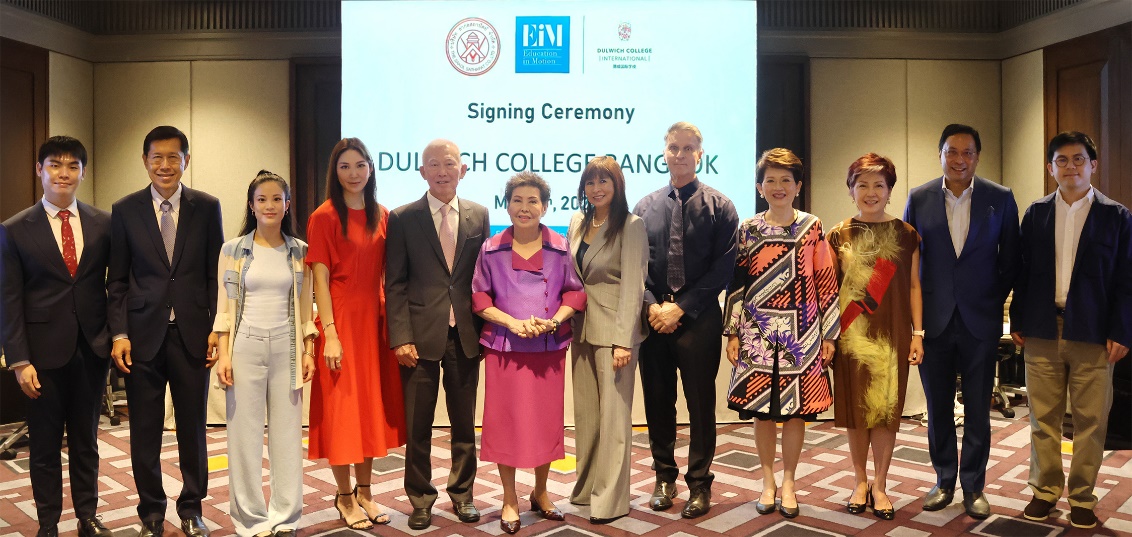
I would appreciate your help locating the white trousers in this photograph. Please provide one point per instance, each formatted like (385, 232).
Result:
(262, 390)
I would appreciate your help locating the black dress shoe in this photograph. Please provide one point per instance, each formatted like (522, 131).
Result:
(92, 527)
(762, 508)
(858, 508)
(154, 528)
(596, 520)
(420, 519)
(883, 514)
(938, 498)
(466, 511)
(662, 495)
(48, 531)
(194, 527)
(699, 501)
(976, 505)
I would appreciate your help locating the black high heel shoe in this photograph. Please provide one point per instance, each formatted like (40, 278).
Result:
(857, 508)
(552, 514)
(883, 514)
(764, 509)
(789, 512)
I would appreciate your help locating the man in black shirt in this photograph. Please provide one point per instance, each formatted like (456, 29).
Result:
(692, 246)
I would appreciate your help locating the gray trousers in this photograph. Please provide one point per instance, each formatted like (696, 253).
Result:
(603, 429)
(261, 390)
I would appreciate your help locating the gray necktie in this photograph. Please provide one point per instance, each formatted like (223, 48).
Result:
(676, 245)
(168, 229)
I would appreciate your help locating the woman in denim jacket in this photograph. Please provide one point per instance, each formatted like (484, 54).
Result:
(266, 303)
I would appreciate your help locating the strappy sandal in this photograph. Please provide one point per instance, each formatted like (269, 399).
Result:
(363, 524)
(376, 519)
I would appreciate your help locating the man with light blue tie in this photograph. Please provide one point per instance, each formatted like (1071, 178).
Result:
(968, 261)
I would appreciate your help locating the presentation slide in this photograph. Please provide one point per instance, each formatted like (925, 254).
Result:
(544, 87)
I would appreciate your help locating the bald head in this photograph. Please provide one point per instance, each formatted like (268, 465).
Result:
(441, 168)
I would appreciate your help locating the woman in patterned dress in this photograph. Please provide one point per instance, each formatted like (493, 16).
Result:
(782, 321)
(878, 269)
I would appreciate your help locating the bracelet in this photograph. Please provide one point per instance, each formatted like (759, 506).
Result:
(557, 324)
(917, 333)
(308, 353)
(327, 326)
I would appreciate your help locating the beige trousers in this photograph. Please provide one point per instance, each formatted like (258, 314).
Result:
(1053, 368)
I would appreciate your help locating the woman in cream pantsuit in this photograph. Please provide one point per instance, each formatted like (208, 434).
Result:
(610, 251)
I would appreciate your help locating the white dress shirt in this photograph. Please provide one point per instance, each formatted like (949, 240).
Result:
(434, 206)
(174, 200)
(57, 225)
(1068, 221)
(958, 214)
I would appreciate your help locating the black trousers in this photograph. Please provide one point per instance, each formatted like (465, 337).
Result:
(69, 399)
(694, 351)
(421, 387)
(187, 378)
(956, 351)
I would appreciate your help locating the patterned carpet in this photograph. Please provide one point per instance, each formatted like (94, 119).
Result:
(824, 481)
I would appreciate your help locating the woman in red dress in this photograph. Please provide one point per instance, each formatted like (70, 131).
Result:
(357, 411)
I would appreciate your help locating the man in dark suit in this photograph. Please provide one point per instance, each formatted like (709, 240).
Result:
(692, 230)
(1072, 312)
(162, 290)
(54, 300)
(431, 255)
(969, 257)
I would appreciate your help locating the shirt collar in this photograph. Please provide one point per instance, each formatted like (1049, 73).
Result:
(435, 204)
(969, 190)
(1087, 200)
(174, 200)
(550, 239)
(687, 190)
(298, 251)
(53, 211)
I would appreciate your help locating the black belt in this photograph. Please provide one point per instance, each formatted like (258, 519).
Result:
(1059, 311)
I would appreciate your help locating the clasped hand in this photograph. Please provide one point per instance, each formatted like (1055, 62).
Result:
(530, 328)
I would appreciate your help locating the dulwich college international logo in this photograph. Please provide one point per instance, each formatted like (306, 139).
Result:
(472, 46)
(624, 31)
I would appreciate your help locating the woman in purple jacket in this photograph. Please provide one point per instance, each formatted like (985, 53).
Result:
(526, 289)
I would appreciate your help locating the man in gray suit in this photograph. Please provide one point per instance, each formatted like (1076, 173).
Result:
(431, 254)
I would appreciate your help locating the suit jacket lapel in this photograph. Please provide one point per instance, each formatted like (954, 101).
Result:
(938, 208)
(595, 247)
(149, 222)
(184, 223)
(91, 229)
(981, 209)
(428, 230)
(463, 226)
(44, 238)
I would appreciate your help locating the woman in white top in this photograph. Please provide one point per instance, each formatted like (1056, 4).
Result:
(266, 302)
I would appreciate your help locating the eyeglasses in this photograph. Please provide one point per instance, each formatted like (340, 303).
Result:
(967, 155)
(1078, 160)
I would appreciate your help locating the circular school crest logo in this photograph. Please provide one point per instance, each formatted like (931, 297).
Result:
(472, 46)
(624, 31)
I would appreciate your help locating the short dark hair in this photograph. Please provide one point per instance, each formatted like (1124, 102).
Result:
(528, 179)
(57, 146)
(778, 158)
(165, 132)
(1065, 138)
(957, 128)
(871, 163)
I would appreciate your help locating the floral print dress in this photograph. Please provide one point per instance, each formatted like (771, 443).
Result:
(782, 302)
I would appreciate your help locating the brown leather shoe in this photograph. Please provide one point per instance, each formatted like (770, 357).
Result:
(510, 526)
(550, 514)
(1038, 509)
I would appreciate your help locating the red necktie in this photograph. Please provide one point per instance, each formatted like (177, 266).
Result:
(69, 256)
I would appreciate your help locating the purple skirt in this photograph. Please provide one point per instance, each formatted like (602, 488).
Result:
(522, 408)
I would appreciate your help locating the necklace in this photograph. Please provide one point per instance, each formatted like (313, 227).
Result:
(595, 224)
